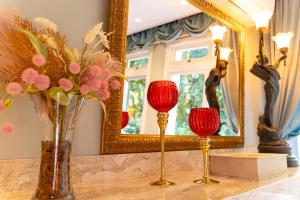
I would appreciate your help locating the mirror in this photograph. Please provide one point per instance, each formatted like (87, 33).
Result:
(170, 40)
(176, 45)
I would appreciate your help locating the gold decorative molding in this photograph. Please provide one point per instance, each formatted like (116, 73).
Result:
(112, 142)
(216, 13)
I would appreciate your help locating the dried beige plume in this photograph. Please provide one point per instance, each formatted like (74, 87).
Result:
(103, 39)
(92, 33)
(49, 40)
(47, 23)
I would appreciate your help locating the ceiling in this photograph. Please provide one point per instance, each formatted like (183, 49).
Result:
(156, 12)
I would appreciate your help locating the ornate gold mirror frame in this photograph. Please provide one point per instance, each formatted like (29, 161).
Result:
(112, 141)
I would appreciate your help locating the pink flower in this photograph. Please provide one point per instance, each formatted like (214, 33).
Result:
(104, 85)
(8, 128)
(95, 84)
(115, 84)
(74, 68)
(106, 74)
(103, 94)
(95, 71)
(42, 82)
(13, 88)
(84, 89)
(65, 84)
(38, 60)
(2, 105)
(29, 75)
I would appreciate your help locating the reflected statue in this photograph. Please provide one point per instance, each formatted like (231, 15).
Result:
(211, 83)
(213, 80)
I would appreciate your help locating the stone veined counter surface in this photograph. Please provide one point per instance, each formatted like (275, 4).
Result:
(127, 176)
(279, 188)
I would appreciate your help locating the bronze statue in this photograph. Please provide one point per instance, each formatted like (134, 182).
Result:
(270, 140)
(270, 75)
(268, 133)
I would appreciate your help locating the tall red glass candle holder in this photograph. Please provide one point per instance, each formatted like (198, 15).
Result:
(204, 122)
(162, 96)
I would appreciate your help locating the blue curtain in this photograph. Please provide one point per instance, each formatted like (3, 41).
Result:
(292, 127)
(194, 25)
(287, 109)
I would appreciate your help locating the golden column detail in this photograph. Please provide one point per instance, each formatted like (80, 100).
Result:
(205, 147)
(162, 122)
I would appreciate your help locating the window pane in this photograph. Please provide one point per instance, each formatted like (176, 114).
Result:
(190, 96)
(187, 54)
(226, 128)
(135, 105)
(138, 62)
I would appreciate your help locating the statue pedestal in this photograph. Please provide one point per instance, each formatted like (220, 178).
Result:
(291, 160)
(254, 166)
(270, 141)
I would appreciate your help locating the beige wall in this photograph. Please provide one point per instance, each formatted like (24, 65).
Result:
(74, 18)
(254, 94)
(156, 73)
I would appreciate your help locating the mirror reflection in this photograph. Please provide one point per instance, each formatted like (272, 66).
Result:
(181, 48)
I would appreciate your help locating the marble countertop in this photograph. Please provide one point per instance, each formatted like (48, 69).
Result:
(279, 188)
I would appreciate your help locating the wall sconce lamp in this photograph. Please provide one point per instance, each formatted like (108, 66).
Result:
(217, 73)
(270, 139)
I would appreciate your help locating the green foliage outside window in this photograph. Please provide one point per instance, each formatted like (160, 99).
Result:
(191, 88)
(190, 96)
(139, 62)
(135, 105)
(195, 53)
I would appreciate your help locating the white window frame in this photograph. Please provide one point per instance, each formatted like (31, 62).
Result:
(185, 67)
(138, 73)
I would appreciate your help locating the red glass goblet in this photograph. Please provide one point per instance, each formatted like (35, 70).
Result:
(162, 96)
(204, 122)
(124, 119)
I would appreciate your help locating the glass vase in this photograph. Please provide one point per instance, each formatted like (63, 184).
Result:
(59, 116)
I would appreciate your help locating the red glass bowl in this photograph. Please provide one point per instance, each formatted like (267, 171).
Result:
(124, 119)
(204, 121)
(162, 95)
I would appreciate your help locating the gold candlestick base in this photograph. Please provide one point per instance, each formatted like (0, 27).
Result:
(162, 122)
(206, 181)
(205, 147)
(162, 182)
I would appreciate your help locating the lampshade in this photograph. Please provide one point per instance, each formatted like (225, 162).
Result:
(217, 32)
(224, 53)
(262, 19)
(204, 121)
(282, 40)
(162, 95)
(124, 119)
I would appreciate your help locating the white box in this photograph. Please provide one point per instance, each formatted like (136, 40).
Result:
(254, 166)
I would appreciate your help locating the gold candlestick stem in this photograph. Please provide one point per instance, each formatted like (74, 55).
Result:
(162, 122)
(205, 147)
